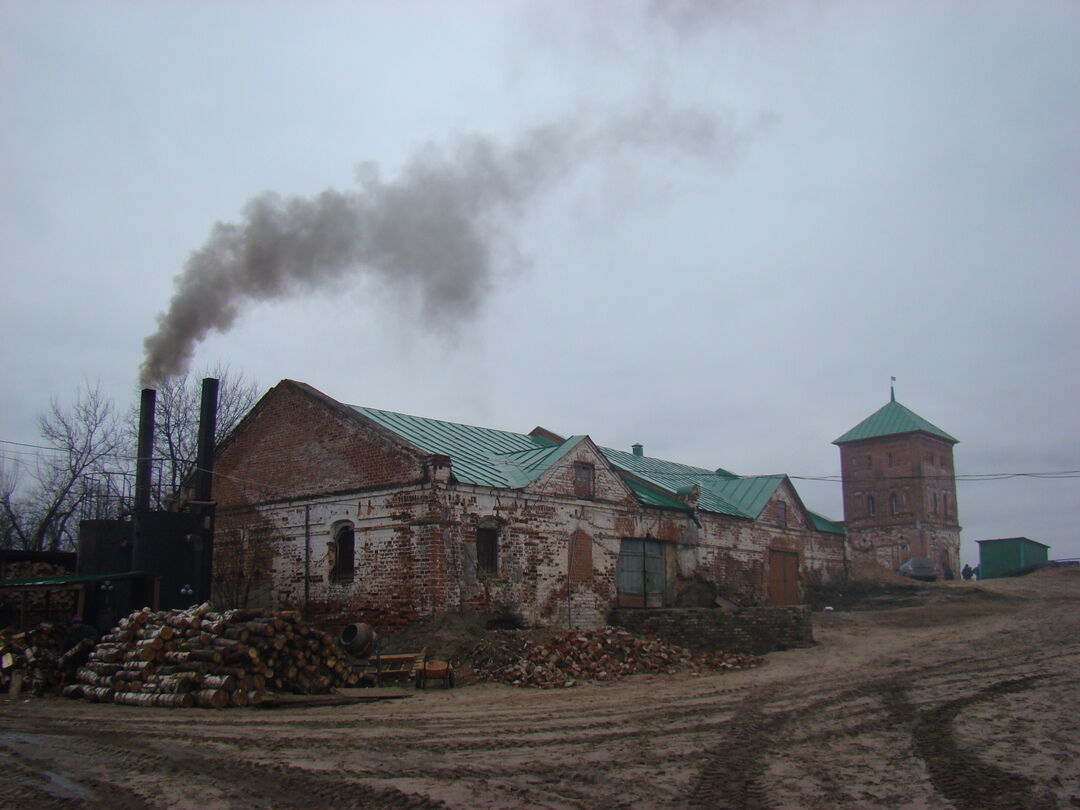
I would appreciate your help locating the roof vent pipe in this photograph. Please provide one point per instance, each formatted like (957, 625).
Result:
(638, 449)
(144, 455)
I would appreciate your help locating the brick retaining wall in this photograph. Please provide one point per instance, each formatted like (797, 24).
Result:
(749, 630)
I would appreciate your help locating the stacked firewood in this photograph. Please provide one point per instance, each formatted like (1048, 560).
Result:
(199, 657)
(562, 660)
(28, 660)
(37, 603)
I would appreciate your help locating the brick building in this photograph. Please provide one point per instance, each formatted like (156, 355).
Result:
(900, 490)
(357, 514)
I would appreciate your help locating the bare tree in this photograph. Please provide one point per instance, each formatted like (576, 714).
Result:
(79, 457)
(176, 432)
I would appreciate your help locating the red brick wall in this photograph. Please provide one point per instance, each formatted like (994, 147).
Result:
(918, 470)
(295, 445)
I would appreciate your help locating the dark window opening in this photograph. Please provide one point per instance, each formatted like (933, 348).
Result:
(584, 479)
(344, 554)
(781, 513)
(894, 503)
(945, 504)
(871, 507)
(487, 551)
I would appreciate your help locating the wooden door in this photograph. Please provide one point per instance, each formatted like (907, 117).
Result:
(783, 577)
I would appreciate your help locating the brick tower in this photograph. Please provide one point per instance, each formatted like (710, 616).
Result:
(900, 490)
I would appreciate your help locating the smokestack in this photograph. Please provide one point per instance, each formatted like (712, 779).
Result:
(204, 474)
(144, 459)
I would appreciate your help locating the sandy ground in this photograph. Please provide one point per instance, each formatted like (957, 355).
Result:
(970, 700)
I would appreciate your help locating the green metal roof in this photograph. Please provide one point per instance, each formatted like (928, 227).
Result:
(69, 579)
(823, 524)
(501, 458)
(482, 456)
(653, 497)
(890, 420)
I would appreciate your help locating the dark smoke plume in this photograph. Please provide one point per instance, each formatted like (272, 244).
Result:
(433, 232)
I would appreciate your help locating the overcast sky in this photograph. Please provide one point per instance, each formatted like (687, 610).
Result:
(713, 228)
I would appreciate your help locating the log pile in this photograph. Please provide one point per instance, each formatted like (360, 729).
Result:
(509, 656)
(54, 602)
(199, 657)
(28, 660)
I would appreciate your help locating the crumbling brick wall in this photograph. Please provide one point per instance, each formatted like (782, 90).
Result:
(749, 630)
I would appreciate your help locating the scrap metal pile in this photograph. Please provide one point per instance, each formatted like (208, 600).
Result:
(198, 657)
(509, 656)
(28, 660)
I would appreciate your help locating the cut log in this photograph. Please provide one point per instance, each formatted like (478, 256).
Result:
(211, 698)
(163, 700)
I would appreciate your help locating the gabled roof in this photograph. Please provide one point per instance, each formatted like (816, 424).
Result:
(890, 420)
(500, 458)
(481, 456)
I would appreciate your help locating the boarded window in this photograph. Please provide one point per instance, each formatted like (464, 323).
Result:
(487, 551)
(580, 563)
(584, 479)
(344, 554)
(640, 573)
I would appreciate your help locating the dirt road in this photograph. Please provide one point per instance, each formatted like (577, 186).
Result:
(969, 701)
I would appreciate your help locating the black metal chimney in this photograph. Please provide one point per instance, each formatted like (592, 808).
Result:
(144, 460)
(204, 473)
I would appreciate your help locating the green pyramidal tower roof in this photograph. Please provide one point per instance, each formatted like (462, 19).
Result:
(890, 420)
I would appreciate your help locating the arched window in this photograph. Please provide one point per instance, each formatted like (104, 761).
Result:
(871, 507)
(945, 504)
(894, 503)
(344, 554)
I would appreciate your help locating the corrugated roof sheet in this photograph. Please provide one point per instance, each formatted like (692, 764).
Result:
(501, 458)
(890, 420)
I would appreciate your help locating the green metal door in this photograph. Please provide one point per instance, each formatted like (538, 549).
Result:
(640, 573)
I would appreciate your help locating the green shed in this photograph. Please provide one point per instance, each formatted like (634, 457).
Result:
(999, 558)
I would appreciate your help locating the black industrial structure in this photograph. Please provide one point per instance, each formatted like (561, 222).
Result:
(151, 557)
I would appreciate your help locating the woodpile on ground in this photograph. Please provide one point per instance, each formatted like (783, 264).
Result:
(509, 656)
(28, 660)
(47, 602)
(199, 657)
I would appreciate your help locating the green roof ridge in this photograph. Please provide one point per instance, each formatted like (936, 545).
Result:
(503, 458)
(889, 420)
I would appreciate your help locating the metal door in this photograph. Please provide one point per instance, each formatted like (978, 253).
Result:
(640, 573)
